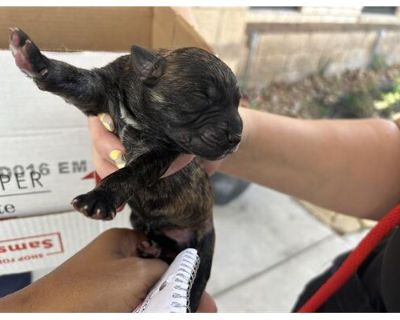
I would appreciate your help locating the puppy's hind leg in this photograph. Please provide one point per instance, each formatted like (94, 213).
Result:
(83, 88)
(205, 250)
(167, 246)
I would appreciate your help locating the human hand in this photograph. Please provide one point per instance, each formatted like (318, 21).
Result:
(105, 276)
(108, 152)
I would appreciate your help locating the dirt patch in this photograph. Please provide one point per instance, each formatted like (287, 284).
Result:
(350, 95)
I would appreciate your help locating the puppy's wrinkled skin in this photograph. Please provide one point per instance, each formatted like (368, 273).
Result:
(163, 104)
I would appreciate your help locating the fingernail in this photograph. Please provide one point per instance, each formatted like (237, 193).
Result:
(107, 121)
(118, 158)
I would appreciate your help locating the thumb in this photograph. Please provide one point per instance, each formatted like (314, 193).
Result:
(153, 269)
(144, 274)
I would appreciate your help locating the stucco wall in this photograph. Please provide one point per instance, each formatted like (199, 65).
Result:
(289, 45)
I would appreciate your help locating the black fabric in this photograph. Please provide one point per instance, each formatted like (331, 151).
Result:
(14, 282)
(390, 274)
(374, 288)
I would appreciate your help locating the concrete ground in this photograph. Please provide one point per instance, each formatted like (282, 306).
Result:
(268, 247)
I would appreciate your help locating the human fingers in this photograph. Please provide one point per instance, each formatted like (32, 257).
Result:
(107, 148)
(211, 166)
(106, 144)
(207, 304)
(147, 272)
(102, 166)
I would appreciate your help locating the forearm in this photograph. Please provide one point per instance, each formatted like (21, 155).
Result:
(49, 294)
(352, 166)
(20, 301)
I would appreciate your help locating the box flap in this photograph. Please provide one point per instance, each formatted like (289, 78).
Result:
(171, 31)
(100, 29)
(76, 29)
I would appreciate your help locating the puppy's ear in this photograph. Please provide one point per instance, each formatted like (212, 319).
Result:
(148, 65)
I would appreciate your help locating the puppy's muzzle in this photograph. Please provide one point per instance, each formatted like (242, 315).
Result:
(234, 139)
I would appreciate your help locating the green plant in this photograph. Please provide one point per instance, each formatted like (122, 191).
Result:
(323, 65)
(389, 103)
(355, 104)
(378, 62)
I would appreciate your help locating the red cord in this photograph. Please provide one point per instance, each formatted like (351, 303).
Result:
(353, 261)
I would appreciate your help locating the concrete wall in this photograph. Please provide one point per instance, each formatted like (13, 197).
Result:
(291, 56)
(224, 29)
(288, 46)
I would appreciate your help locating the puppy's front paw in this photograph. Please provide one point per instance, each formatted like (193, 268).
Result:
(26, 54)
(95, 204)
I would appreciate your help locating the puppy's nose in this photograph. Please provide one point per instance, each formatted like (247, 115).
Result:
(234, 139)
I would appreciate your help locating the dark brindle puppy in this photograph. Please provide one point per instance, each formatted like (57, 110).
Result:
(163, 104)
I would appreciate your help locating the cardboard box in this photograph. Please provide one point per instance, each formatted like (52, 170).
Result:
(100, 29)
(41, 242)
(40, 133)
(46, 154)
(46, 151)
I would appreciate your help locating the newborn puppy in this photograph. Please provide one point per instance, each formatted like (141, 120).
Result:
(163, 104)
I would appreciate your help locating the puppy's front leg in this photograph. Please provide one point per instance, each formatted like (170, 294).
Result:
(116, 189)
(83, 88)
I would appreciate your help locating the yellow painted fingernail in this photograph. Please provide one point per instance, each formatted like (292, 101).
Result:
(107, 121)
(118, 158)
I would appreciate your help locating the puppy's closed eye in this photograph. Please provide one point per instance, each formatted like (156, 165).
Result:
(211, 92)
(201, 101)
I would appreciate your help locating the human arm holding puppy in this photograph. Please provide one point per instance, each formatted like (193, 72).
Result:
(105, 276)
(346, 165)
(351, 166)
